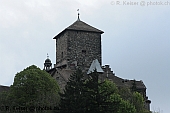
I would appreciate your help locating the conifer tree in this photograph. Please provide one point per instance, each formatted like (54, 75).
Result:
(73, 100)
(93, 95)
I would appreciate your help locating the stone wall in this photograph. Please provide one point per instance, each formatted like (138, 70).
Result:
(78, 48)
(60, 80)
(61, 48)
(83, 47)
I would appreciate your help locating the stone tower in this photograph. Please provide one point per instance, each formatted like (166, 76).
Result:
(78, 45)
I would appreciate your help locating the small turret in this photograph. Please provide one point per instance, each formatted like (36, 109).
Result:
(47, 64)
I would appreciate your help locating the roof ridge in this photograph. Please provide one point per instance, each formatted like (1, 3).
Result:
(82, 26)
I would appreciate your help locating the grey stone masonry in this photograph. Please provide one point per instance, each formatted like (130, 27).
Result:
(78, 48)
(83, 48)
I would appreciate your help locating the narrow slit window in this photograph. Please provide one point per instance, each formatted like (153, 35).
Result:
(62, 55)
(84, 51)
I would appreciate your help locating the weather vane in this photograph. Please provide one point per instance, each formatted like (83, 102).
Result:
(78, 15)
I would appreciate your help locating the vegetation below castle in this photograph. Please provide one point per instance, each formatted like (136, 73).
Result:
(35, 90)
(91, 95)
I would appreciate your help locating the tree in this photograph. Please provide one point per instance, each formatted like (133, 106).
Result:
(126, 93)
(138, 101)
(3, 98)
(73, 99)
(4, 102)
(92, 95)
(114, 102)
(34, 88)
(134, 98)
(104, 97)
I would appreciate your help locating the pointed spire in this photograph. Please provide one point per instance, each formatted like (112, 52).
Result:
(78, 15)
(95, 65)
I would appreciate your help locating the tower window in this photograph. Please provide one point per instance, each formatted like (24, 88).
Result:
(57, 78)
(61, 54)
(84, 51)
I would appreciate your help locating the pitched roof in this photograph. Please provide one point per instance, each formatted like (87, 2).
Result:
(80, 26)
(95, 65)
(64, 73)
(4, 88)
(120, 82)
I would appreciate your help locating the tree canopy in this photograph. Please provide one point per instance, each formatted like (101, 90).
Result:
(33, 88)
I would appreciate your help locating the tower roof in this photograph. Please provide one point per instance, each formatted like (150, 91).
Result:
(95, 65)
(47, 62)
(80, 26)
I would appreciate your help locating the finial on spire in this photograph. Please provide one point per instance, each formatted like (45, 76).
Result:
(78, 15)
(47, 56)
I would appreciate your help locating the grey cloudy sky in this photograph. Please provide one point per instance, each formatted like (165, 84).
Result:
(136, 42)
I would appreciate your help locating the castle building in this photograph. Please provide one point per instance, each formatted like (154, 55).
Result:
(79, 45)
(4, 88)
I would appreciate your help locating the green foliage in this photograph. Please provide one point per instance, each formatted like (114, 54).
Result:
(4, 102)
(138, 101)
(92, 95)
(34, 87)
(3, 98)
(126, 107)
(134, 98)
(73, 99)
(114, 102)
(126, 93)
(108, 86)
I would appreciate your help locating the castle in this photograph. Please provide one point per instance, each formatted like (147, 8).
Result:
(79, 45)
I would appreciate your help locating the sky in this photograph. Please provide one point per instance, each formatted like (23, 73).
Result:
(135, 43)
